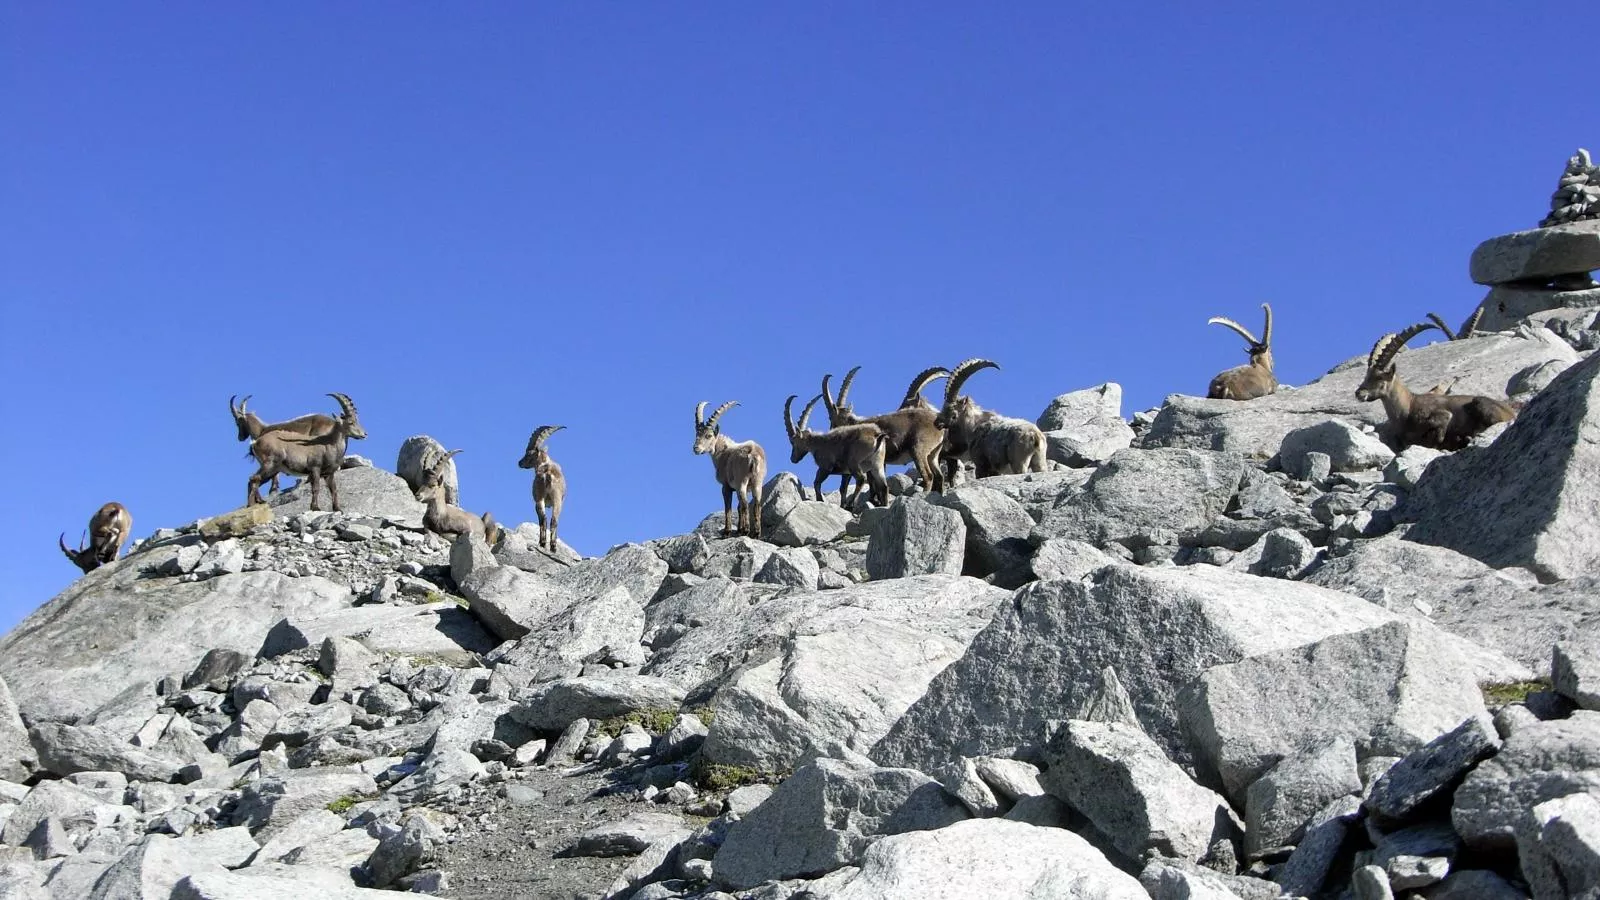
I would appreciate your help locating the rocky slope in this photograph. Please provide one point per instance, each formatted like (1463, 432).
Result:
(1240, 650)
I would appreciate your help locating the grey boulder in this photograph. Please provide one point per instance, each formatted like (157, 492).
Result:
(555, 705)
(363, 491)
(1539, 762)
(1144, 497)
(1538, 254)
(916, 538)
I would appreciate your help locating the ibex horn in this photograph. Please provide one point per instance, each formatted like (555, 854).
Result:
(788, 416)
(543, 432)
(1229, 323)
(1266, 330)
(805, 414)
(844, 386)
(964, 370)
(699, 415)
(921, 381)
(711, 422)
(1388, 346)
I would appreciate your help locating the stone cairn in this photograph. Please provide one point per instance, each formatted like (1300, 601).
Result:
(1577, 196)
(1545, 272)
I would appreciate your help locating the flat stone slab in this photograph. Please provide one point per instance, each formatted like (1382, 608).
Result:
(1538, 253)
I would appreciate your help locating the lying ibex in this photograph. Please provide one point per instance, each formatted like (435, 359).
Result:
(1254, 379)
(316, 457)
(1468, 328)
(911, 434)
(996, 444)
(445, 519)
(109, 528)
(1438, 420)
(251, 427)
(741, 468)
(549, 484)
(849, 450)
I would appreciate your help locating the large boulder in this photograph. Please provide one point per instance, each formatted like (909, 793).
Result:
(916, 538)
(997, 528)
(1529, 498)
(115, 629)
(440, 630)
(17, 760)
(1507, 610)
(68, 749)
(553, 706)
(988, 858)
(1144, 497)
(825, 816)
(1085, 428)
(1257, 428)
(1538, 254)
(1043, 654)
(1540, 761)
(418, 454)
(363, 491)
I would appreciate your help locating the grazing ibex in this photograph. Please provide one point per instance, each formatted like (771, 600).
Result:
(996, 444)
(316, 457)
(109, 528)
(443, 518)
(1468, 328)
(1439, 420)
(1254, 379)
(911, 434)
(849, 450)
(251, 427)
(741, 468)
(549, 483)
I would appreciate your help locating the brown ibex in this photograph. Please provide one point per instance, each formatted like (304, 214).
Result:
(912, 435)
(315, 457)
(741, 468)
(996, 444)
(549, 483)
(1439, 420)
(251, 427)
(1255, 378)
(443, 518)
(108, 530)
(846, 451)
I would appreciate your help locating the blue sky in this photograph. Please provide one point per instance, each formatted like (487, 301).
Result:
(477, 219)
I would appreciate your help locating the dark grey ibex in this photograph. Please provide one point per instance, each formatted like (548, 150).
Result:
(911, 433)
(315, 457)
(741, 468)
(1255, 378)
(549, 483)
(846, 451)
(251, 427)
(1439, 420)
(443, 518)
(996, 444)
(108, 530)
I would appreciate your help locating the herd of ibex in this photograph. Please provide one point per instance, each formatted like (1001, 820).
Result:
(934, 440)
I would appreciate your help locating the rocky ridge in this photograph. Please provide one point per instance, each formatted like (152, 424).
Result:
(1229, 650)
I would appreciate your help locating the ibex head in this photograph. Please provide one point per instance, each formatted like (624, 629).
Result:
(353, 427)
(1380, 377)
(1260, 350)
(798, 448)
(839, 408)
(706, 430)
(536, 454)
(84, 557)
(241, 416)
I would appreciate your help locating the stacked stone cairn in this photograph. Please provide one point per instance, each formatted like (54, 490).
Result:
(1577, 196)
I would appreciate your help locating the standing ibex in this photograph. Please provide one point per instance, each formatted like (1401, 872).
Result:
(549, 483)
(441, 517)
(849, 450)
(1442, 421)
(1254, 379)
(109, 528)
(741, 468)
(316, 457)
(912, 436)
(251, 427)
(996, 444)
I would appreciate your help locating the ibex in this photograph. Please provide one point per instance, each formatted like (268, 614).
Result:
(445, 519)
(911, 434)
(1468, 328)
(996, 444)
(316, 457)
(849, 450)
(1438, 420)
(1254, 379)
(549, 483)
(741, 468)
(109, 528)
(251, 427)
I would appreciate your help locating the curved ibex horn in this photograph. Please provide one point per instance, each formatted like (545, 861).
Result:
(62, 541)
(788, 415)
(827, 398)
(964, 370)
(1229, 323)
(1470, 326)
(805, 414)
(699, 415)
(1266, 330)
(844, 386)
(1388, 346)
(543, 432)
(233, 406)
(1438, 322)
(346, 404)
(711, 422)
(920, 382)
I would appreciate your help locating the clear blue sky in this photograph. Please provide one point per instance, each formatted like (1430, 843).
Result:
(478, 218)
